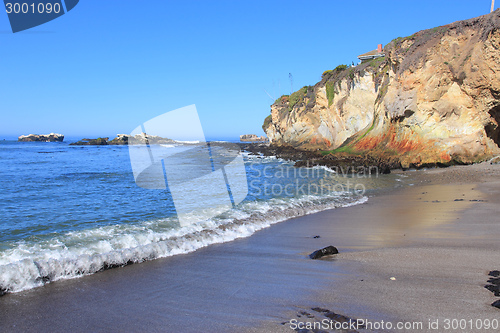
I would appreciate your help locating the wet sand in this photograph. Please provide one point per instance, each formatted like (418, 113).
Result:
(433, 246)
(437, 240)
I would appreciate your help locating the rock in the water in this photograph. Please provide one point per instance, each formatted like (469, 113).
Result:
(91, 142)
(121, 139)
(143, 138)
(252, 137)
(125, 139)
(52, 137)
(329, 250)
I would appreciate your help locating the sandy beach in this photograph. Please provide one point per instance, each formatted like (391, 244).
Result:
(432, 247)
(416, 254)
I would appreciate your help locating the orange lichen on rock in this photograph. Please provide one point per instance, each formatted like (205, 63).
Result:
(367, 143)
(445, 157)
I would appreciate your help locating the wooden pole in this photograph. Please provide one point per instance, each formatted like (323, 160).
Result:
(492, 6)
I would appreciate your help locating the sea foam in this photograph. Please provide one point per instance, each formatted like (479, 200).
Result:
(78, 253)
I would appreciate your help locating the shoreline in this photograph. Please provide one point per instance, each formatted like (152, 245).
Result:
(257, 283)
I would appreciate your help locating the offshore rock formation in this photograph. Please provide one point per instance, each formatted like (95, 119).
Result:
(251, 138)
(121, 139)
(52, 137)
(124, 139)
(91, 142)
(433, 99)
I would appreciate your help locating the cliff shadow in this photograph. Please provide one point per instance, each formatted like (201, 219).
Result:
(493, 127)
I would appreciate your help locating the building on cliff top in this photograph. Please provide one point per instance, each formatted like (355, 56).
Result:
(379, 52)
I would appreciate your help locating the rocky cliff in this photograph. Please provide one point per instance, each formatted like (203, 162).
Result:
(433, 99)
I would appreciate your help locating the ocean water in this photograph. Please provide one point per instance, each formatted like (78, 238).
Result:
(69, 211)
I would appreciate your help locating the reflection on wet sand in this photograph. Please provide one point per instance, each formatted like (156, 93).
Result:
(416, 213)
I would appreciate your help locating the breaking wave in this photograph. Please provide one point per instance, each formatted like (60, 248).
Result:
(31, 264)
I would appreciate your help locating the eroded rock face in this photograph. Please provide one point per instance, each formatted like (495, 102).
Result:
(434, 98)
(318, 123)
(52, 137)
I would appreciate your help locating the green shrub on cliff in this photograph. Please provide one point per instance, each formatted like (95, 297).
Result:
(376, 62)
(340, 68)
(330, 92)
(337, 69)
(297, 97)
(326, 72)
(267, 121)
(282, 99)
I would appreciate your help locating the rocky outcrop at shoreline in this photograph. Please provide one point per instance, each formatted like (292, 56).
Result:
(341, 161)
(52, 137)
(434, 99)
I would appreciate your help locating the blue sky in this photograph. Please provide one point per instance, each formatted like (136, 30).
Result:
(107, 66)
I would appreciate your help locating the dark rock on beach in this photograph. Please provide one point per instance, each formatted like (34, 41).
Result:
(494, 286)
(334, 321)
(329, 250)
(494, 289)
(52, 137)
(335, 316)
(494, 273)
